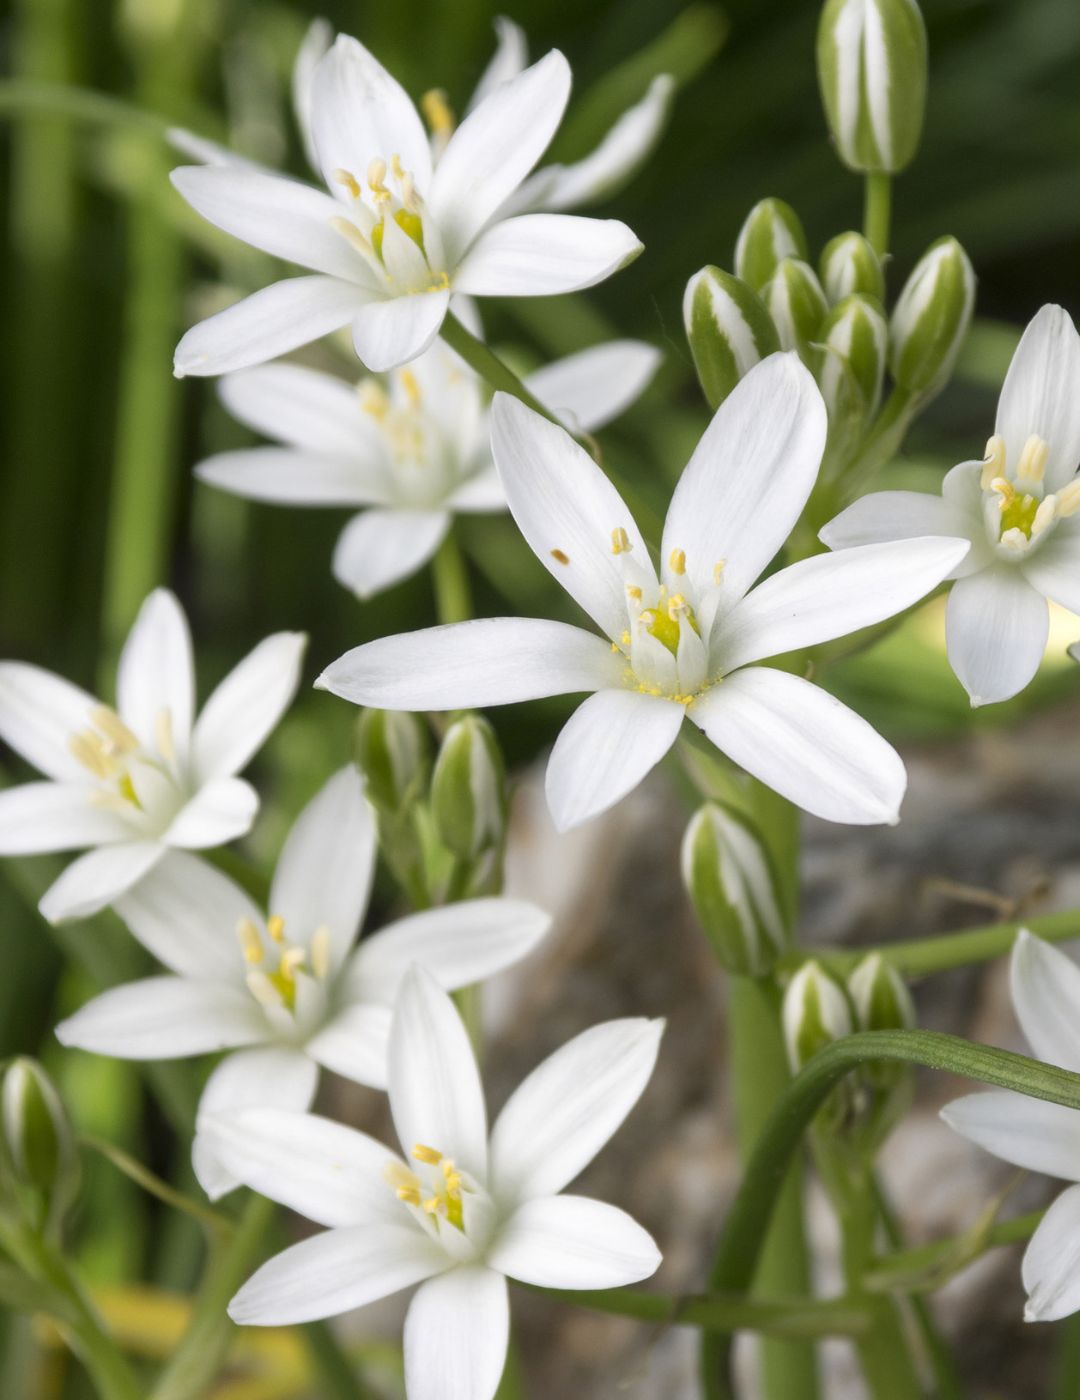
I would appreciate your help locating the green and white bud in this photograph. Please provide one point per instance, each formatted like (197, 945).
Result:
(880, 996)
(728, 328)
(728, 875)
(871, 61)
(770, 233)
(848, 266)
(37, 1148)
(797, 305)
(468, 790)
(854, 344)
(881, 1091)
(814, 1014)
(931, 318)
(393, 751)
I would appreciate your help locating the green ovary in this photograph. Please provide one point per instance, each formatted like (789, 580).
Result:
(409, 223)
(1019, 514)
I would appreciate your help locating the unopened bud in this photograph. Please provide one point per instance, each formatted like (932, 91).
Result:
(854, 346)
(880, 996)
(393, 751)
(882, 1089)
(728, 328)
(931, 318)
(797, 305)
(871, 61)
(770, 233)
(468, 790)
(728, 876)
(849, 265)
(815, 1013)
(38, 1150)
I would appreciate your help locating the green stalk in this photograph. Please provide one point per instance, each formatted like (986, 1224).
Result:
(794, 1318)
(453, 597)
(334, 1371)
(877, 211)
(20, 95)
(930, 1266)
(484, 361)
(218, 1225)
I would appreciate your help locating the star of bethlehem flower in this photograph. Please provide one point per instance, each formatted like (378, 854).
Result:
(458, 1211)
(1019, 508)
(134, 781)
(415, 445)
(397, 233)
(286, 991)
(680, 642)
(1038, 1136)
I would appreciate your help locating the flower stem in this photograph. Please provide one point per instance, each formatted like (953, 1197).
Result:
(877, 210)
(484, 361)
(931, 1266)
(453, 597)
(83, 104)
(142, 1176)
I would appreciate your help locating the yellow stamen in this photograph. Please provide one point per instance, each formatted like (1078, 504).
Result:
(994, 463)
(320, 952)
(718, 570)
(88, 749)
(426, 1154)
(677, 561)
(373, 398)
(351, 234)
(376, 178)
(349, 180)
(1045, 515)
(1068, 498)
(560, 557)
(250, 942)
(633, 591)
(114, 729)
(437, 111)
(412, 389)
(620, 541)
(677, 607)
(163, 735)
(275, 927)
(1032, 464)
(625, 638)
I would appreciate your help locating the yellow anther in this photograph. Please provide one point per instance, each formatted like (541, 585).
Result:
(433, 1204)
(1032, 464)
(1045, 515)
(275, 927)
(994, 462)
(718, 570)
(250, 942)
(633, 591)
(1004, 488)
(426, 1154)
(437, 111)
(560, 557)
(677, 561)
(351, 234)
(163, 735)
(625, 638)
(349, 180)
(113, 727)
(620, 541)
(87, 748)
(373, 398)
(648, 619)
(320, 952)
(677, 607)
(376, 178)
(409, 1194)
(291, 962)
(1068, 498)
(453, 1185)
(409, 383)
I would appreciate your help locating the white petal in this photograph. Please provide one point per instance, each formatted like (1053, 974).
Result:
(208, 152)
(803, 743)
(540, 255)
(355, 1044)
(393, 332)
(567, 509)
(1040, 395)
(494, 148)
(316, 43)
(186, 912)
(55, 817)
(749, 478)
(165, 1018)
(587, 390)
(435, 1092)
(334, 1272)
(1041, 1137)
(156, 673)
(280, 216)
(458, 944)
(831, 595)
(482, 493)
(559, 1118)
(470, 665)
(221, 810)
(285, 476)
(270, 322)
(456, 1334)
(1051, 1267)
(97, 879)
(996, 626)
(324, 873)
(1054, 568)
(1045, 984)
(605, 749)
(298, 406)
(572, 1242)
(239, 716)
(360, 113)
(510, 57)
(905, 515)
(381, 547)
(39, 714)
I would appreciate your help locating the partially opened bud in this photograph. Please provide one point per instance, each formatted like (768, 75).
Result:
(729, 878)
(931, 318)
(854, 341)
(871, 60)
(770, 233)
(880, 996)
(38, 1152)
(728, 328)
(849, 265)
(468, 790)
(815, 1013)
(393, 751)
(797, 305)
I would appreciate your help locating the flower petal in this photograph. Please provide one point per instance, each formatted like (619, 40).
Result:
(285, 476)
(1039, 394)
(220, 811)
(1041, 1137)
(301, 407)
(605, 749)
(803, 743)
(510, 57)
(1045, 985)
(572, 1242)
(470, 665)
(1051, 1267)
(996, 626)
(435, 1093)
(270, 322)
(316, 43)
(246, 706)
(165, 1018)
(1054, 568)
(905, 515)
(355, 1044)
(381, 547)
(457, 1331)
(559, 1118)
(587, 390)
(541, 255)
(39, 714)
(56, 817)
(97, 879)
(393, 332)
(156, 674)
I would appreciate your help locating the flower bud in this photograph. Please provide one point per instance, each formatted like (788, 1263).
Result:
(881, 1090)
(728, 328)
(797, 305)
(849, 265)
(393, 751)
(770, 233)
(728, 875)
(931, 318)
(38, 1144)
(815, 1013)
(854, 345)
(468, 790)
(871, 61)
(880, 996)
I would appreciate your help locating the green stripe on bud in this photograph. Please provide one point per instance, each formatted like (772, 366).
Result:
(728, 328)
(854, 347)
(730, 880)
(393, 751)
(871, 61)
(37, 1145)
(849, 265)
(468, 790)
(882, 1002)
(770, 233)
(931, 318)
(815, 1013)
(797, 305)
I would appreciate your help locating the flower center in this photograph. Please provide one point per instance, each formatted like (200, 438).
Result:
(274, 966)
(109, 750)
(398, 201)
(437, 1191)
(1018, 509)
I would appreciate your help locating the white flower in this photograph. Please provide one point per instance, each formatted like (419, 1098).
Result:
(396, 234)
(417, 448)
(459, 1211)
(289, 987)
(1018, 507)
(680, 643)
(135, 781)
(1036, 1135)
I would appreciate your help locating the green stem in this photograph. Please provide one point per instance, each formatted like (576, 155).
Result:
(931, 1266)
(488, 366)
(337, 1378)
(134, 1170)
(453, 597)
(877, 211)
(83, 104)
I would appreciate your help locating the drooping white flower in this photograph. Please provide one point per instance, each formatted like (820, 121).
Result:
(681, 642)
(286, 991)
(1036, 1135)
(416, 448)
(133, 781)
(397, 233)
(459, 1211)
(1019, 508)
